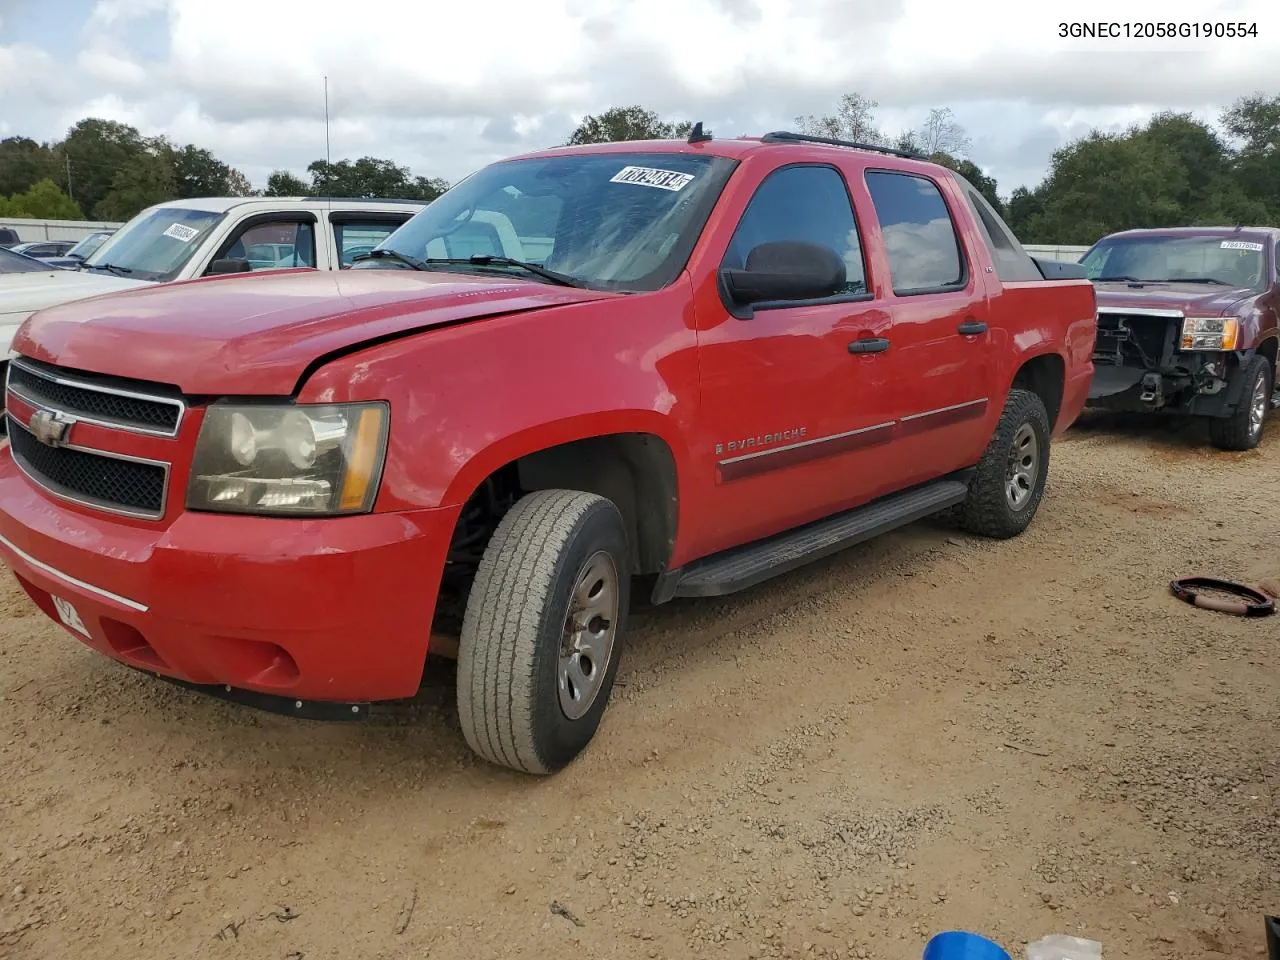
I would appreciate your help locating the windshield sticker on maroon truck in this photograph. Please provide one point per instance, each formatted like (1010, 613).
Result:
(653, 177)
(1240, 245)
(181, 232)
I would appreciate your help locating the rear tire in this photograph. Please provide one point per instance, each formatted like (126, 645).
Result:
(1006, 491)
(1242, 430)
(543, 631)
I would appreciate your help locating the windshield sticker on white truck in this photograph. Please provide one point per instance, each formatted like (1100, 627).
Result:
(1240, 245)
(181, 232)
(652, 177)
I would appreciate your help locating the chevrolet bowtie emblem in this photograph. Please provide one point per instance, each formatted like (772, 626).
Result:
(49, 428)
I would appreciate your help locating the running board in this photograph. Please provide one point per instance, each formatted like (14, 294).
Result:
(748, 565)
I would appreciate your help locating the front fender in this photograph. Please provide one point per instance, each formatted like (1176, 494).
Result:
(468, 399)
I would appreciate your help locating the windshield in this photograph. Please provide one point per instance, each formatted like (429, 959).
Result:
(155, 245)
(87, 245)
(11, 262)
(617, 221)
(1217, 260)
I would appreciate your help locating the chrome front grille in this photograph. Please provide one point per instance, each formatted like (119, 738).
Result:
(96, 400)
(106, 479)
(111, 482)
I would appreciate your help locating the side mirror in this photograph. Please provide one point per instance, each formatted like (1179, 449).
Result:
(229, 266)
(786, 270)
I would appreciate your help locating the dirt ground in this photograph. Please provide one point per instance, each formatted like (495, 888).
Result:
(928, 732)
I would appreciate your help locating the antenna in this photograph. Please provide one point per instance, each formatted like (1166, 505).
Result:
(697, 136)
(327, 162)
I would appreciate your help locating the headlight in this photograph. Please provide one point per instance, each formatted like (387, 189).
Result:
(313, 460)
(1209, 333)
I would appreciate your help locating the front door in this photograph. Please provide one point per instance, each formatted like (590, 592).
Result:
(792, 421)
(943, 363)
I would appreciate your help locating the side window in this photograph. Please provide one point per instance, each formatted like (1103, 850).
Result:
(919, 237)
(1012, 262)
(355, 237)
(802, 203)
(275, 246)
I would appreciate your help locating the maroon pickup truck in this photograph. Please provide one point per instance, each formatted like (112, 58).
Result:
(1187, 323)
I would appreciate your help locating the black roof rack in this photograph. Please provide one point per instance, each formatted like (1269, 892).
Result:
(786, 136)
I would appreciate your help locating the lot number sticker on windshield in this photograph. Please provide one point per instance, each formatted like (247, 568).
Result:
(181, 232)
(1240, 245)
(652, 177)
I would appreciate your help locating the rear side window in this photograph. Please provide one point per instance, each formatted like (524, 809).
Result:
(919, 237)
(1012, 262)
(802, 203)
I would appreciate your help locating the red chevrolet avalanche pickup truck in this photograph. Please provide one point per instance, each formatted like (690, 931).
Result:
(688, 364)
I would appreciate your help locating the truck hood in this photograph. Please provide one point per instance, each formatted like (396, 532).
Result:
(1193, 299)
(25, 292)
(247, 334)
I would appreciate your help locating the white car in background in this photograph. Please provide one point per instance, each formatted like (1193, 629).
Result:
(185, 239)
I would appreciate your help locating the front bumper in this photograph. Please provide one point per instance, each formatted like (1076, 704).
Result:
(1205, 384)
(329, 609)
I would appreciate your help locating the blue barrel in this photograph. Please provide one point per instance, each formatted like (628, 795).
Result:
(959, 945)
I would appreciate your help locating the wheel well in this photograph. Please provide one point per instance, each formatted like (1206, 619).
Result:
(1268, 349)
(637, 471)
(1044, 376)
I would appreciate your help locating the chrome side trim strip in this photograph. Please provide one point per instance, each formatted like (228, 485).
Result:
(98, 388)
(68, 579)
(954, 406)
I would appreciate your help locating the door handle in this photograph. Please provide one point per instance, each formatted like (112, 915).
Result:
(869, 345)
(971, 327)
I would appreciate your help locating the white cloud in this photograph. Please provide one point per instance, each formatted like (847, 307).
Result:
(444, 88)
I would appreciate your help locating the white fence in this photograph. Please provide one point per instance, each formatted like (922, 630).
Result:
(54, 229)
(1070, 254)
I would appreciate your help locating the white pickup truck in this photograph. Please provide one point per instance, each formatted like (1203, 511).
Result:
(184, 239)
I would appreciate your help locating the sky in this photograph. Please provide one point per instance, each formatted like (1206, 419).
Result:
(444, 88)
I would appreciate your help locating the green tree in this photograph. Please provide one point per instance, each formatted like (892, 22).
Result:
(238, 184)
(626, 123)
(370, 177)
(24, 162)
(98, 151)
(43, 200)
(145, 180)
(1202, 154)
(1024, 213)
(1108, 182)
(1254, 123)
(198, 173)
(282, 183)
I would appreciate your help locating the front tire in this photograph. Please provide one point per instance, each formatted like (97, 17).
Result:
(543, 631)
(1242, 430)
(1006, 491)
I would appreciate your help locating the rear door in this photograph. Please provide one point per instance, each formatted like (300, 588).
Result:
(792, 422)
(943, 364)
